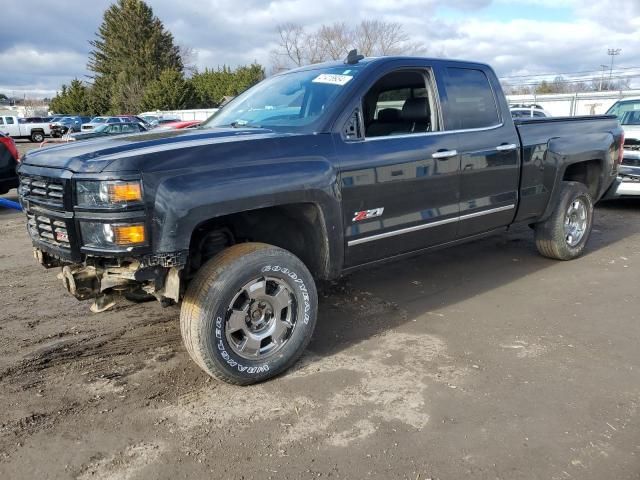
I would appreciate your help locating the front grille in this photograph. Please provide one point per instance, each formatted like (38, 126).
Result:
(630, 178)
(48, 230)
(47, 190)
(631, 144)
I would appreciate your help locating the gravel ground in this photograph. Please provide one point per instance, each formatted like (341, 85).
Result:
(485, 361)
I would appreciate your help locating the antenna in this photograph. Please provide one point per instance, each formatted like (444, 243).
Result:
(353, 57)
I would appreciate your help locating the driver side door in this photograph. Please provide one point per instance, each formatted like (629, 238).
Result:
(400, 182)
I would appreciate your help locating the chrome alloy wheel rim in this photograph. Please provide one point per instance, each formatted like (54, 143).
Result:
(260, 318)
(575, 222)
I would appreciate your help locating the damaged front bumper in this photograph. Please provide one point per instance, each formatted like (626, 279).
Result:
(101, 278)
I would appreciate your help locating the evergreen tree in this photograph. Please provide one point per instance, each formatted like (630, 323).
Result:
(170, 92)
(72, 100)
(212, 86)
(131, 50)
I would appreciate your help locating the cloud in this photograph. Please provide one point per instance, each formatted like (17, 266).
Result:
(46, 47)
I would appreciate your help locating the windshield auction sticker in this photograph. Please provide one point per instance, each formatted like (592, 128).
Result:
(332, 79)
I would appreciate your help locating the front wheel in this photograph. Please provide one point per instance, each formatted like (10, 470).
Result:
(249, 313)
(564, 235)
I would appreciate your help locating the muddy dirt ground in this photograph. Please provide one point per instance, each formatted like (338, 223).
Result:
(484, 361)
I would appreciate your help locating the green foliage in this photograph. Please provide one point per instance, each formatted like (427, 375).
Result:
(71, 100)
(131, 50)
(211, 86)
(3, 97)
(137, 66)
(169, 92)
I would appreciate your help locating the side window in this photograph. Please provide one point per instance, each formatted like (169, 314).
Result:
(9, 120)
(400, 103)
(1, 121)
(470, 100)
(113, 120)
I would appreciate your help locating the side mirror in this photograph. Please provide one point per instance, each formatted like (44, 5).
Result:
(353, 128)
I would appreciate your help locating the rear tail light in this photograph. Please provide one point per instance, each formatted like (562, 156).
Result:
(621, 149)
(11, 146)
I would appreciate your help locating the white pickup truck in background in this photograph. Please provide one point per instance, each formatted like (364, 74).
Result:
(36, 132)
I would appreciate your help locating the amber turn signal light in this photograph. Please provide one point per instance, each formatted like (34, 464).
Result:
(125, 192)
(129, 234)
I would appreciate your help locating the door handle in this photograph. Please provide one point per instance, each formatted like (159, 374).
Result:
(505, 147)
(442, 154)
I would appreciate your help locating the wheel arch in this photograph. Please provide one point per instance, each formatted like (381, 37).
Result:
(299, 227)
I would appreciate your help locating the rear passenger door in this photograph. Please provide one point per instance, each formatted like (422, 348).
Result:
(488, 145)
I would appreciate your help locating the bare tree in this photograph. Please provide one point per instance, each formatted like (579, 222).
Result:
(335, 40)
(292, 48)
(297, 47)
(189, 57)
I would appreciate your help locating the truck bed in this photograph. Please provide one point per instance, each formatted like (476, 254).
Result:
(549, 144)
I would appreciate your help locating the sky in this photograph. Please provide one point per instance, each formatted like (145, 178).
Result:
(43, 47)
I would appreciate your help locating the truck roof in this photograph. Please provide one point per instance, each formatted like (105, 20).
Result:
(379, 61)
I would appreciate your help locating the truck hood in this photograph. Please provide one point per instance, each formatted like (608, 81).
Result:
(94, 156)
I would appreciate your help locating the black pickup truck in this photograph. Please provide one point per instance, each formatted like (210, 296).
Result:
(308, 175)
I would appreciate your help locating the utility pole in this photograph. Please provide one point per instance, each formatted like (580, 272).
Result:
(612, 52)
(603, 67)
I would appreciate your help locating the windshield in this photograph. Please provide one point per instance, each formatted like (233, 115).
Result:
(99, 120)
(101, 128)
(628, 112)
(292, 101)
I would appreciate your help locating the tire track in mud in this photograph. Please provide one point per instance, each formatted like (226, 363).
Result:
(100, 364)
(105, 345)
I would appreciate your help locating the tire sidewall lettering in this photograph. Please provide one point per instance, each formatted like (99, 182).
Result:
(298, 282)
(229, 360)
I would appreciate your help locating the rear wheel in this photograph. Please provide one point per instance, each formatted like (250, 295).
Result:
(37, 137)
(564, 235)
(249, 313)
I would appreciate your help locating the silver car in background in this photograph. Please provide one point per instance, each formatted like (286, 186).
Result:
(628, 113)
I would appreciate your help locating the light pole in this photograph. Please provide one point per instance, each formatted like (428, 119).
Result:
(603, 67)
(613, 52)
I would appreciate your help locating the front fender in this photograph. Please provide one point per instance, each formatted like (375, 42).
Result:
(185, 200)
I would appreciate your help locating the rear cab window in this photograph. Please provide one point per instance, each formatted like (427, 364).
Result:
(471, 102)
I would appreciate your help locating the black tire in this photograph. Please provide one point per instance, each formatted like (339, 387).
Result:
(37, 137)
(552, 240)
(208, 304)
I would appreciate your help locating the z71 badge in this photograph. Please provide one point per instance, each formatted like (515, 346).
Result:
(367, 214)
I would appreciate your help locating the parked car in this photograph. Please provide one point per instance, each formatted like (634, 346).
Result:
(35, 132)
(528, 111)
(68, 124)
(96, 121)
(298, 179)
(178, 125)
(628, 113)
(108, 129)
(8, 163)
(165, 121)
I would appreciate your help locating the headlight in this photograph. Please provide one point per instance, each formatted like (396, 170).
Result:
(107, 235)
(108, 194)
